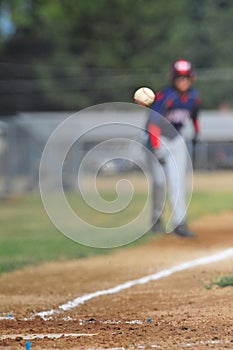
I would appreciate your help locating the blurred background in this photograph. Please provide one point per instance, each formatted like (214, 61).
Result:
(58, 57)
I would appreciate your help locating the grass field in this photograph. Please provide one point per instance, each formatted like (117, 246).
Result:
(162, 291)
(28, 237)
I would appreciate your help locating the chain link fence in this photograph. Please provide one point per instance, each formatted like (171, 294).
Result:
(23, 138)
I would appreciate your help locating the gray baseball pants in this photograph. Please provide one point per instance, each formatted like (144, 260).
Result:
(169, 181)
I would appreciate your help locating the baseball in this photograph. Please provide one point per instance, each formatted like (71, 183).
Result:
(144, 96)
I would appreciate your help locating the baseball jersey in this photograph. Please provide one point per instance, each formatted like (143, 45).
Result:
(176, 108)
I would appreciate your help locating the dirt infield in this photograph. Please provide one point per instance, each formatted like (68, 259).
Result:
(172, 312)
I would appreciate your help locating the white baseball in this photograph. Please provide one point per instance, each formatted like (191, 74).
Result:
(144, 96)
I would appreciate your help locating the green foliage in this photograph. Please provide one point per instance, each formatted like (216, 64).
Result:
(226, 281)
(223, 281)
(100, 51)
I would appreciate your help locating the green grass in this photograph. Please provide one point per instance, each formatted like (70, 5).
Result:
(27, 236)
(205, 203)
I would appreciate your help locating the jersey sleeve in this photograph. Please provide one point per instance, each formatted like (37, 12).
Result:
(158, 105)
(154, 120)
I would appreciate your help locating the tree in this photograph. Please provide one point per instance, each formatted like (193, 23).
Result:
(81, 53)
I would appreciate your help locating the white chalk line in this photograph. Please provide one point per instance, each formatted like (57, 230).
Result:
(80, 300)
(42, 336)
(143, 280)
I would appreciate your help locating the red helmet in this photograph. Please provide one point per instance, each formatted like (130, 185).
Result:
(181, 67)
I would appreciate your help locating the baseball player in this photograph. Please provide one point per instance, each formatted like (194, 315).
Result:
(172, 108)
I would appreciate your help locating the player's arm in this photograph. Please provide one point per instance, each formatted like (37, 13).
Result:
(195, 119)
(196, 125)
(154, 133)
(153, 127)
(154, 121)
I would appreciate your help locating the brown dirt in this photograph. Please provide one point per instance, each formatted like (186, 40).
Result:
(174, 312)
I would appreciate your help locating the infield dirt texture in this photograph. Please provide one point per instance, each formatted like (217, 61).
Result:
(176, 311)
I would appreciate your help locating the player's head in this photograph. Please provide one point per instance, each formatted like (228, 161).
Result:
(181, 74)
(181, 68)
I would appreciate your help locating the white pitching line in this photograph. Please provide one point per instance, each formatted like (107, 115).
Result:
(42, 336)
(153, 277)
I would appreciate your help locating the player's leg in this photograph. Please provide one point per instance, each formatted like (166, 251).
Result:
(157, 193)
(176, 174)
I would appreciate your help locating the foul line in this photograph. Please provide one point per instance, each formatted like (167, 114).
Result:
(153, 277)
(42, 336)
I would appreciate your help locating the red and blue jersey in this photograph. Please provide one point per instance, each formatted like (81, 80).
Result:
(176, 108)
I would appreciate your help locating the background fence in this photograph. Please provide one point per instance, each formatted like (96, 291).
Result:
(23, 138)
